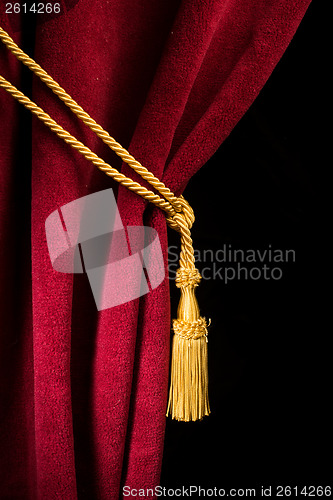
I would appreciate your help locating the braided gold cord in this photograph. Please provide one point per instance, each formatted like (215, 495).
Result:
(84, 150)
(90, 122)
(179, 214)
(182, 223)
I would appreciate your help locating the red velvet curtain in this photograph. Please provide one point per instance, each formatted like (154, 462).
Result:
(83, 393)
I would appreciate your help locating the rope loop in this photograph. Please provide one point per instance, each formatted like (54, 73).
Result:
(183, 220)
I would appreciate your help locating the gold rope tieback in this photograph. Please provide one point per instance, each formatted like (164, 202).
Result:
(188, 397)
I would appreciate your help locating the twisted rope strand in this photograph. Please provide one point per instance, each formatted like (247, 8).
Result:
(179, 213)
(84, 150)
(183, 223)
(90, 122)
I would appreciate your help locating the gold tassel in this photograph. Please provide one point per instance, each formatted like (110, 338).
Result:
(188, 397)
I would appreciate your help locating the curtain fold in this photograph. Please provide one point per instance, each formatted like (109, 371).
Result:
(84, 392)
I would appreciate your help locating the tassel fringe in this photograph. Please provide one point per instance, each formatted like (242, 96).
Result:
(188, 399)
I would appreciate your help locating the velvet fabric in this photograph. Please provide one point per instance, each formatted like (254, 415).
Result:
(83, 393)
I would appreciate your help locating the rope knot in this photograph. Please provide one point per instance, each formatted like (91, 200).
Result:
(182, 219)
(191, 329)
(186, 277)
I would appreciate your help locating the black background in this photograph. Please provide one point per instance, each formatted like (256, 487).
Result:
(269, 343)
